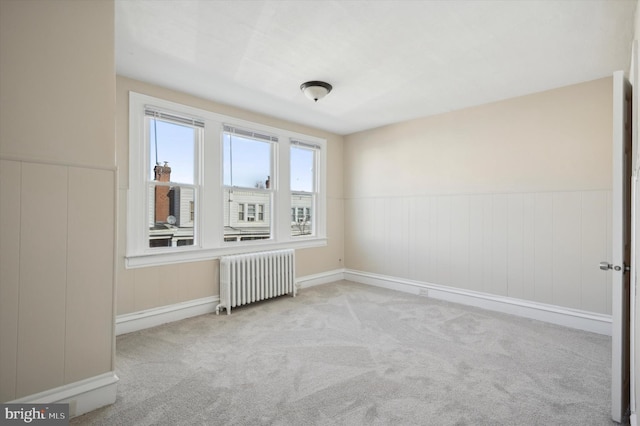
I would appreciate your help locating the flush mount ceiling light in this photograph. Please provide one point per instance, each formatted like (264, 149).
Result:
(315, 90)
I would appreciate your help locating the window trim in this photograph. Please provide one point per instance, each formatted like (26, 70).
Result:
(209, 212)
(314, 194)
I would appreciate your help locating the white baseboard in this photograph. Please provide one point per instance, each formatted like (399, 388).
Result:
(135, 321)
(633, 419)
(582, 320)
(321, 278)
(82, 397)
(127, 323)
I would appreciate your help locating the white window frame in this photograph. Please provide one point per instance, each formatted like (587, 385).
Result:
(209, 235)
(314, 193)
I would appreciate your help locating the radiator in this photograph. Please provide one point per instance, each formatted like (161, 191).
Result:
(247, 278)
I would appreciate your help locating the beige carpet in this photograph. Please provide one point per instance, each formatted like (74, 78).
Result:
(349, 354)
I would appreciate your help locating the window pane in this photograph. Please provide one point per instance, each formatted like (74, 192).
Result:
(247, 162)
(171, 215)
(302, 214)
(302, 162)
(247, 215)
(171, 148)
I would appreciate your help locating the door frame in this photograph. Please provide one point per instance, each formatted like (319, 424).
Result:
(621, 246)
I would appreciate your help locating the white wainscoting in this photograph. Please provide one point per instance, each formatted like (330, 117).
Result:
(540, 247)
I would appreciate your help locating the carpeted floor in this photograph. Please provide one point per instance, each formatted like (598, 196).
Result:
(350, 354)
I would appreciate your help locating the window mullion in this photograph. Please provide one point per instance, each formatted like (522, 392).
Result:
(211, 210)
(283, 195)
(320, 190)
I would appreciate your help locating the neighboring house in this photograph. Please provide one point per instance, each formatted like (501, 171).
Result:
(171, 212)
(247, 213)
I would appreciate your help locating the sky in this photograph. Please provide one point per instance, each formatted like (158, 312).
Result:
(175, 145)
(245, 161)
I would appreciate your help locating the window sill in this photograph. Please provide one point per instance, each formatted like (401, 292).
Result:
(200, 254)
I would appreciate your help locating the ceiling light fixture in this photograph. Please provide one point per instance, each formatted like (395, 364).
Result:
(315, 90)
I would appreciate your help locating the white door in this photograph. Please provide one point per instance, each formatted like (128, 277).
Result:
(621, 202)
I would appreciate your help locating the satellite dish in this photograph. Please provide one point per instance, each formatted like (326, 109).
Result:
(171, 220)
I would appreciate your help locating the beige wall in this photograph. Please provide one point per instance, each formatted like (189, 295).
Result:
(551, 141)
(510, 198)
(149, 287)
(57, 192)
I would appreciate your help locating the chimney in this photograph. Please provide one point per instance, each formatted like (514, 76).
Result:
(162, 174)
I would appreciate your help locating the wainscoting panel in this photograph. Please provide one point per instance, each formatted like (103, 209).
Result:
(567, 243)
(516, 246)
(10, 177)
(543, 247)
(443, 257)
(56, 305)
(418, 237)
(478, 254)
(459, 246)
(595, 248)
(43, 277)
(499, 254)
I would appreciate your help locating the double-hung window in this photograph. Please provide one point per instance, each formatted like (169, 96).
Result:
(202, 184)
(248, 159)
(172, 177)
(304, 185)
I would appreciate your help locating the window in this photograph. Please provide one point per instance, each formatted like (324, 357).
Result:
(251, 212)
(247, 165)
(202, 184)
(303, 187)
(172, 192)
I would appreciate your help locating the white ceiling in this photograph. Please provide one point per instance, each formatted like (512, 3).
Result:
(388, 61)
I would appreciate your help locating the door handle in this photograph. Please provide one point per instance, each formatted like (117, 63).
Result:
(605, 266)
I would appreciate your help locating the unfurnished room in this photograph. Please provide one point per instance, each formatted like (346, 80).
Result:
(318, 212)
